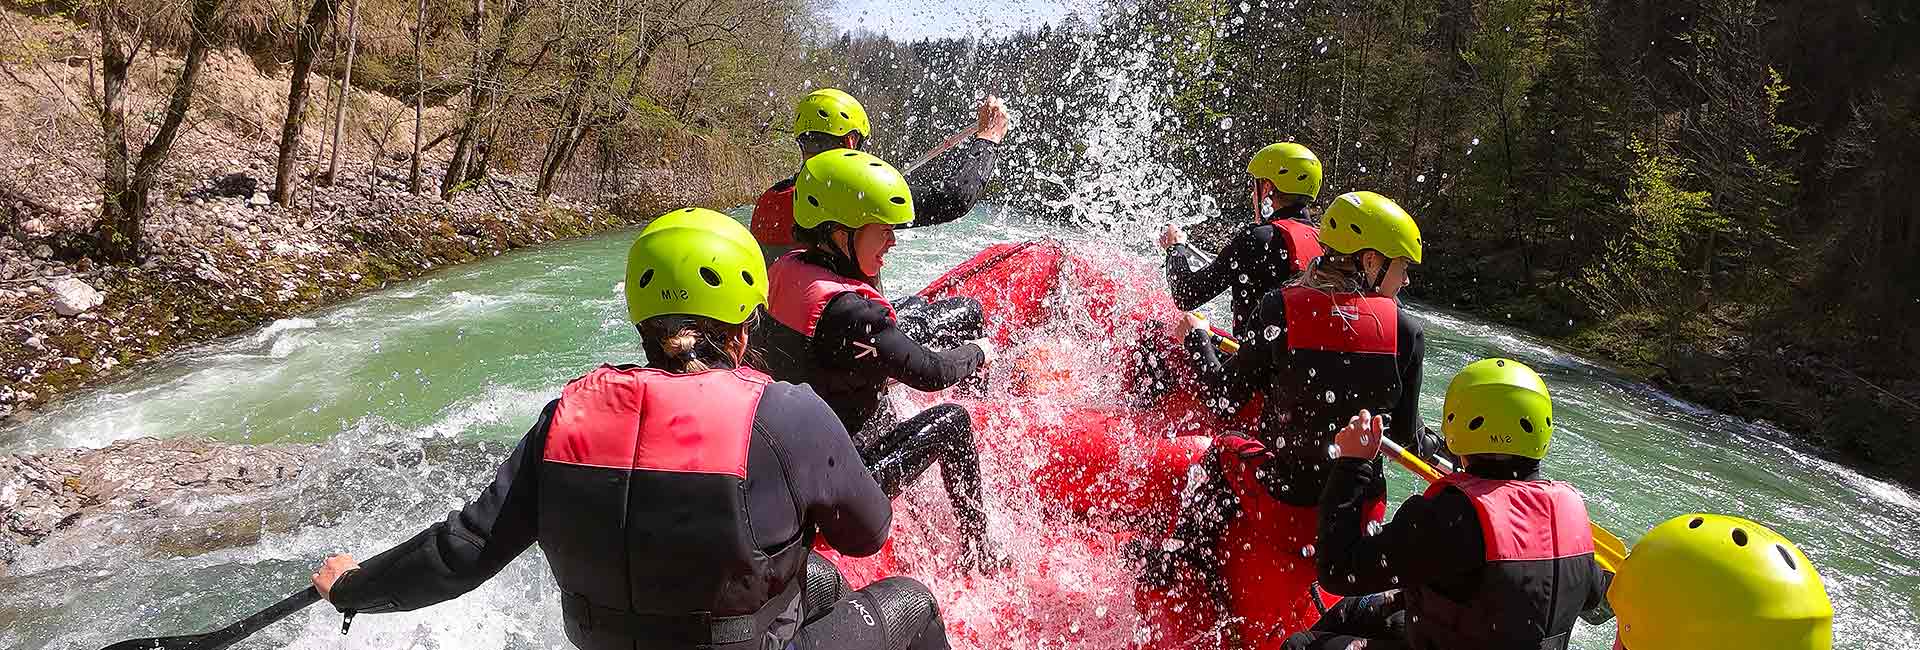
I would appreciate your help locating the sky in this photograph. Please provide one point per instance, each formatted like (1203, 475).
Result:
(911, 19)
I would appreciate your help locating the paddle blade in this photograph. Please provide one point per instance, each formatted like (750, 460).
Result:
(229, 635)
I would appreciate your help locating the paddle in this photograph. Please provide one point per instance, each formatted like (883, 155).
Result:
(1608, 550)
(229, 635)
(949, 143)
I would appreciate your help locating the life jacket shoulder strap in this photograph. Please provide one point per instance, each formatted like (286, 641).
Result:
(633, 418)
(799, 292)
(1341, 322)
(772, 222)
(1302, 242)
(1524, 520)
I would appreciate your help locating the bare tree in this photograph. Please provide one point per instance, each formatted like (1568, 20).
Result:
(306, 44)
(419, 95)
(129, 180)
(346, 88)
(486, 88)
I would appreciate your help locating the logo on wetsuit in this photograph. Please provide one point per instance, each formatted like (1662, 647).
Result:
(864, 616)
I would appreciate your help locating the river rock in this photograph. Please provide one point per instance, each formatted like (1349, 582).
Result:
(71, 296)
(207, 493)
(43, 251)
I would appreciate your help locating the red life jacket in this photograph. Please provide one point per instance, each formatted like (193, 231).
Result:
(643, 513)
(798, 292)
(772, 223)
(1341, 322)
(1302, 243)
(1538, 542)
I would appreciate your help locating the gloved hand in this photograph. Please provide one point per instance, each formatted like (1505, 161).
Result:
(986, 346)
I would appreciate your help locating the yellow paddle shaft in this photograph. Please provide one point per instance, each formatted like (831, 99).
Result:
(1225, 342)
(1608, 550)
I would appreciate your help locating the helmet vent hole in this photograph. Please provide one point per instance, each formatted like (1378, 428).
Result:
(1449, 417)
(747, 276)
(1786, 557)
(1502, 363)
(1283, 171)
(645, 279)
(1475, 424)
(1739, 537)
(813, 201)
(873, 164)
(1696, 522)
(1526, 426)
(1301, 177)
(899, 200)
(1549, 421)
(1354, 227)
(712, 277)
(845, 116)
(823, 113)
(850, 154)
(1334, 223)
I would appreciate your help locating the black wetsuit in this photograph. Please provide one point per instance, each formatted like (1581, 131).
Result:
(856, 347)
(1259, 253)
(1435, 544)
(792, 491)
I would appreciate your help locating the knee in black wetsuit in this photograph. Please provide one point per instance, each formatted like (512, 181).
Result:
(943, 433)
(897, 613)
(942, 324)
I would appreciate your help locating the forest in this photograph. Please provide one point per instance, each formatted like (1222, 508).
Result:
(1713, 194)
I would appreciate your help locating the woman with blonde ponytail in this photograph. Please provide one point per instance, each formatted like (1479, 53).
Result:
(677, 503)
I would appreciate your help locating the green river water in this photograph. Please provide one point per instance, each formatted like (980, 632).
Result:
(417, 390)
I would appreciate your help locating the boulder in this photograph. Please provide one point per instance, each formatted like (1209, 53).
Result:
(72, 296)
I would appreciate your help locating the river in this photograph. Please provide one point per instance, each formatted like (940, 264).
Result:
(415, 391)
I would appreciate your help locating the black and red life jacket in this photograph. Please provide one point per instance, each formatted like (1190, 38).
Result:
(798, 293)
(1538, 542)
(643, 513)
(1342, 356)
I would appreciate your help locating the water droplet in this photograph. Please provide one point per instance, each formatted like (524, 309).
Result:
(1420, 179)
(1331, 397)
(1171, 545)
(1476, 142)
(1366, 440)
(1393, 580)
(1271, 332)
(1373, 528)
(1333, 450)
(1243, 278)
(1306, 551)
(1234, 264)
(1313, 372)
(1350, 578)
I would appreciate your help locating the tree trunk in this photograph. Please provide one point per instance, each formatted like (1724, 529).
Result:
(126, 191)
(485, 89)
(419, 96)
(306, 43)
(346, 88)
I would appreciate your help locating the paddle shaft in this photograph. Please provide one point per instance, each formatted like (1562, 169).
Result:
(945, 145)
(229, 635)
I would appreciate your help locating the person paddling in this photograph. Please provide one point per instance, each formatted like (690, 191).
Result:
(1238, 564)
(832, 329)
(1277, 246)
(1714, 582)
(1493, 557)
(829, 119)
(676, 503)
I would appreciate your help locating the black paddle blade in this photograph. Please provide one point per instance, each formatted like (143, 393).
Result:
(229, 635)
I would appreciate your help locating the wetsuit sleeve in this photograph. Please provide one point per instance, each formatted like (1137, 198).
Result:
(864, 337)
(453, 557)
(1237, 379)
(1427, 538)
(828, 479)
(1192, 287)
(969, 166)
(1407, 426)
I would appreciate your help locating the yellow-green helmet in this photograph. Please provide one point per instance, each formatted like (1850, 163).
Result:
(850, 188)
(1714, 582)
(830, 111)
(1498, 406)
(697, 262)
(1361, 220)
(1292, 168)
